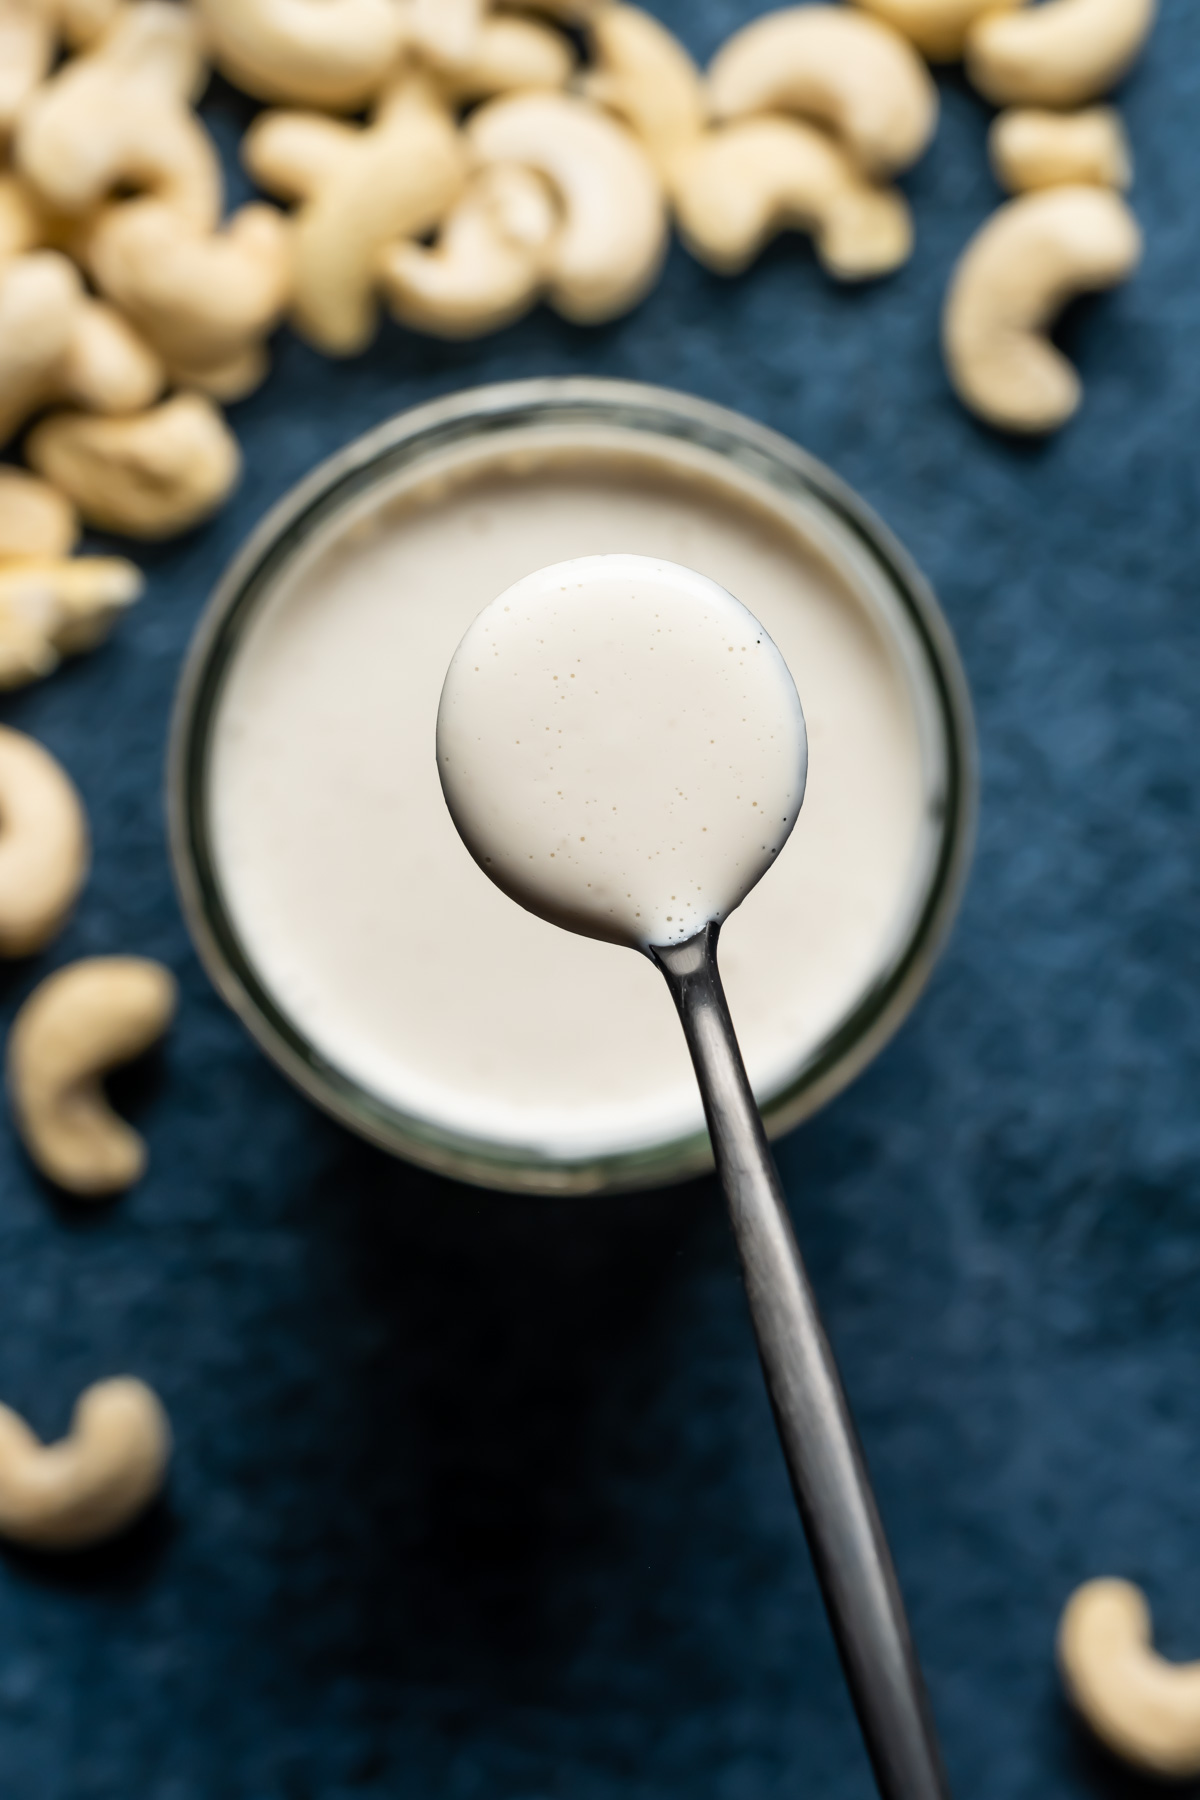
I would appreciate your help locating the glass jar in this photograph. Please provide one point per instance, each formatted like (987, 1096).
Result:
(402, 452)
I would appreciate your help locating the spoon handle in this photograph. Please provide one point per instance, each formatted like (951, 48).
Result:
(829, 1478)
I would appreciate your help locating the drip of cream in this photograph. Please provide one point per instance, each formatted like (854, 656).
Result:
(622, 748)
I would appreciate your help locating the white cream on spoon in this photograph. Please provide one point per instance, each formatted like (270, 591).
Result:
(622, 749)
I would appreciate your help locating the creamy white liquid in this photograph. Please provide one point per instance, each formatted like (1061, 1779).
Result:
(365, 916)
(621, 747)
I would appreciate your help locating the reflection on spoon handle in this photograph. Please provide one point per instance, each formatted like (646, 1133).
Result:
(829, 1479)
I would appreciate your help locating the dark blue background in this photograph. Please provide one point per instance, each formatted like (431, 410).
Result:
(479, 1496)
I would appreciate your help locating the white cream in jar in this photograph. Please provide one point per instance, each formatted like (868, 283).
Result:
(363, 915)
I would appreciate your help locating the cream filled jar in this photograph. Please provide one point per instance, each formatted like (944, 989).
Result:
(327, 889)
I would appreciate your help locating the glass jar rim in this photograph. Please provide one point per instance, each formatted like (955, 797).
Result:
(462, 419)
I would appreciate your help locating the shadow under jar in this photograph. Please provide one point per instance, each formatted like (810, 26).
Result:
(329, 894)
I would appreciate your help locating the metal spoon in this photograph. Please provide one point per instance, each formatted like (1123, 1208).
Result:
(520, 795)
(829, 1478)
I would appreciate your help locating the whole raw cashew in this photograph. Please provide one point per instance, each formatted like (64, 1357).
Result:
(1143, 1707)
(1030, 149)
(78, 1025)
(938, 28)
(149, 476)
(743, 184)
(509, 54)
(92, 1483)
(1011, 282)
(205, 301)
(120, 116)
(51, 607)
(35, 519)
(610, 247)
(1062, 53)
(848, 71)
(486, 268)
(43, 845)
(360, 188)
(644, 74)
(329, 53)
(56, 343)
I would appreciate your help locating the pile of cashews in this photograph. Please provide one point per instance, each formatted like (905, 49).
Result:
(510, 152)
(78, 1024)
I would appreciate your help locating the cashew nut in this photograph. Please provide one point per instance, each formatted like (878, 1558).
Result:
(150, 475)
(76, 1027)
(743, 184)
(205, 301)
(1031, 149)
(51, 607)
(486, 268)
(445, 32)
(848, 71)
(509, 54)
(35, 519)
(938, 28)
(92, 1483)
(20, 218)
(334, 53)
(1062, 53)
(1143, 1707)
(43, 845)
(56, 343)
(644, 74)
(359, 189)
(1011, 282)
(610, 246)
(119, 116)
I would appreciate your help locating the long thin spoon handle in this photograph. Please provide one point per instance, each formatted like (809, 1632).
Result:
(828, 1474)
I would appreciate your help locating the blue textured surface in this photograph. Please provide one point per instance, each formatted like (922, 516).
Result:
(476, 1496)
